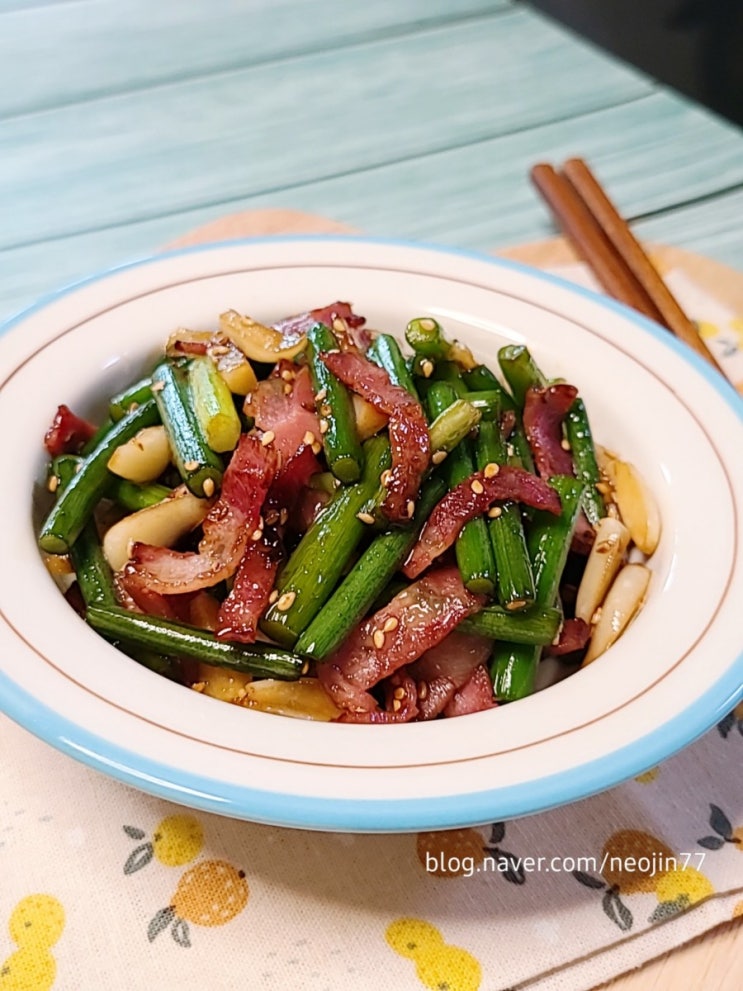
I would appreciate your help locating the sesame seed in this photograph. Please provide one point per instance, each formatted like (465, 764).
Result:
(132, 407)
(324, 426)
(477, 487)
(283, 516)
(287, 389)
(316, 447)
(286, 601)
(340, 325)
(390, 624)
(219, 349)
(325, 409)
(273, 596)
(309, 438)
(272, 517)
(494, 512)
(384, 478)
(396, 705)
(596, 616)
(399, 693)
(365, 517)
(565, 444)
(158, 386)
(208, 487)
(319, 396)
(191, 465)
(53, 483)
(438, 457)
(515, 605)
(198, 686)
(510, 450)
(287, 375)
(411, 508)
(422, 690)
(378, 639)
(256, 535)
(267, 438)
(491, 470)
(261, 523)
(305, 667)
(427, 324)
(427, 368)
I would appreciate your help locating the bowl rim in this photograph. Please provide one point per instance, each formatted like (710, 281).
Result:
(397, 814)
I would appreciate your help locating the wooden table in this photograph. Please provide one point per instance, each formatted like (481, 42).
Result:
(126, 123)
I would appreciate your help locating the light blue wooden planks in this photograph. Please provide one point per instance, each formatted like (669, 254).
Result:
(476, 197)
(88, 49)
(213, 140)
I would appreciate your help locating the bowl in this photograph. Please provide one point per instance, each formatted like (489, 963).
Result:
(675, 672)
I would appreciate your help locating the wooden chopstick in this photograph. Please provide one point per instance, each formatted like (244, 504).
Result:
(603, 239)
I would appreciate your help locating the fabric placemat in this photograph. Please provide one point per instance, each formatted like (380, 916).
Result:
(103, 886)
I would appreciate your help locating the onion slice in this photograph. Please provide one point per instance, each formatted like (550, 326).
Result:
(622, 602)
(604, 561)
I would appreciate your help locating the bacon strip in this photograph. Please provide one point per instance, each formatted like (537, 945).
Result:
(414, 621)
(446, 668)
(284, 413)
(239, 613)
(471, 498)
(574, 635)
(293, 327)
(476, 695)
(409, 440)
(400, 703)
(544, 411)
(67, 433)
(227, 529)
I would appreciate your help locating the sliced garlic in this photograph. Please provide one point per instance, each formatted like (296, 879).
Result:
(144, 457)
(605, 559)
(622, 602)
(303, 699)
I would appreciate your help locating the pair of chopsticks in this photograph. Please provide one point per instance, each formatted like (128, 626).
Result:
(603, 239)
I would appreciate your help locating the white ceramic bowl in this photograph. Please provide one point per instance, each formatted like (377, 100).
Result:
(675, 672)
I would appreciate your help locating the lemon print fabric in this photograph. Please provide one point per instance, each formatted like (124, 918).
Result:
(35, 925)
(211, 893)
(634, 862)
(177, 840)
(438, 965)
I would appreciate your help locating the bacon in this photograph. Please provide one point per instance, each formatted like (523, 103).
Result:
(544, 411)
(285, 414)
(292, 328)
(400, 703)
(476, 695)
(239, 613)
(414, 621)
(227, 529)
(574, 635)
(293, 477)
(67, 433)
(471, 498)
(446, 668)
(409, 441)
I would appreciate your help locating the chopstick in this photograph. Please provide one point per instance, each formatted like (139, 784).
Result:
(603, 239)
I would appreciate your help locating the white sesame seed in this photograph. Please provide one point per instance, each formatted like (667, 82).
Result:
(158, 386)
(256, 535)
(365, 517)
(438, 457)
(319, 396)
(267, 438)
(324, 426)
(191, 465)
(309, 438)
(283, 516)
(565, 444)
(340, 325)
(399, 693)
(384, 478)
(273, 596)
(325, 409)
(491, 470)
(596, 616)
(316, 447)
(133, 406)
(427, 368)
(477, 487)
(286, 601)
(422, 690)
(390, 624)
(411, 508)
(272, 517)
(396, 705)
(208, 487)
(305, 667)
(53, 483)
(287, 375)
(427, 324)
(287, 389)
(510, 450)
(515, 605)
(494, 512)
(378, 639)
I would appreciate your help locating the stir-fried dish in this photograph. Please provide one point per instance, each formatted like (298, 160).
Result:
(302, 519)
